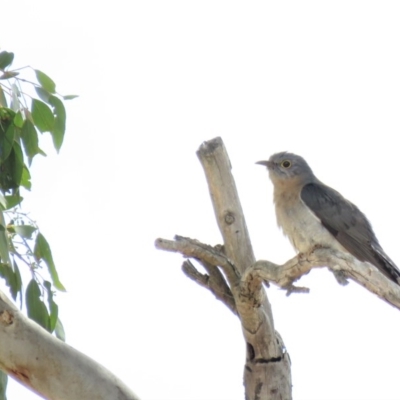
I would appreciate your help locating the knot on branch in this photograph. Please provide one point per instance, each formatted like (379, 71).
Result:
(229, 218)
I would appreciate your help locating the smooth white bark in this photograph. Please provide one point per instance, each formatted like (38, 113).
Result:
(50, 367)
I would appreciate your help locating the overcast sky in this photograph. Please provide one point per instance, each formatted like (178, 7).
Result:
(155, 80)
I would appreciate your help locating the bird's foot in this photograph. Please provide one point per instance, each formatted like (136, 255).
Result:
(340, 276)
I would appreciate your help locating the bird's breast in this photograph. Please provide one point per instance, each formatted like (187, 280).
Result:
(300, 224)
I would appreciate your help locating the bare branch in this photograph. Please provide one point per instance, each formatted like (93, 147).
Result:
(214, 282)
(195, 249)
(228, 210)
(267, 370)
(363, 273)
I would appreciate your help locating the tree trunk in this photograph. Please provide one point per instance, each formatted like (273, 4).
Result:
(267, 368)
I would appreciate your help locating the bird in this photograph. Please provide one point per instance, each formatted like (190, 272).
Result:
(312, 214)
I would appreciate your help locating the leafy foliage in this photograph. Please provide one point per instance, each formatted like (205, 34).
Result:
(26, 114)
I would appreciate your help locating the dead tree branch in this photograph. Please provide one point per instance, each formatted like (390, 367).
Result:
(214, 282)
(363, 273)
(267, 370)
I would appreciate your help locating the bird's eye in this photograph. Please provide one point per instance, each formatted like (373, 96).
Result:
(286, 164)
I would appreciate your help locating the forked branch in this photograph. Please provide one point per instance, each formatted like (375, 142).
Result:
(267, 369)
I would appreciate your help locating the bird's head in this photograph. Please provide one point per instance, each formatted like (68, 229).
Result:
(284, 167)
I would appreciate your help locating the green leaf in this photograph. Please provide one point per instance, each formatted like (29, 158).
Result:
(3, 100)
(14, 281)
(18, 120)
(6, 114)
(6, 59)
(26, 178)
(9, 75)
(28, 115)
(42, 252)
(59, 330)
(30, 140)
(24, 231)
(5, 257)
(3, 385)
(3, 202)
(18, 281)
(35, 306)
(7, 141)
(12, 201)
(42, 116)
(18, 163)
(12, 278)
(15, 94)
(11, 169)
(59, 125)
(53, 307)
(53, 315)
(70, 96)
(46, 82)
(42, 93)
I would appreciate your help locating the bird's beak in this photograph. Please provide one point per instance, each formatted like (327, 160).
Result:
(268, 164)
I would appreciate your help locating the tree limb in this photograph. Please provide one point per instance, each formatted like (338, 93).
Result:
(363, 273)
(267, 370)
(48, 366)
(214, 282)
(195, 249)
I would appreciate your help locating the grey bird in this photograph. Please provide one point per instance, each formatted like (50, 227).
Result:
(314, 215)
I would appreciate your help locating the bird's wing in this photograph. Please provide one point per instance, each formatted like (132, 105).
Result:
(349, 226)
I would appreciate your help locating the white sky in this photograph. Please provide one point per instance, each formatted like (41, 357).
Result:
(156, 79)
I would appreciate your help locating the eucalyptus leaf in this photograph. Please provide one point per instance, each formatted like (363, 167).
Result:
(37, 310)
(42, 252)
(6, 59)
(70, 96)
(18, 280)
(3, 100)
(3, 202)
(30, 140)
(11, 169)
(12, 201)
(45, 81)
(59, 125)
(25, 231)
(26, 178)
(12, 278)
(43, 93)
(53, 307)
(5, 257)
(6, 141)
(15, 93)
(59, 330)
(42, 116)
(18, 120)
(17, 164)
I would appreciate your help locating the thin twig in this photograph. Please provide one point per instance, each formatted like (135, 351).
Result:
(221, 293)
